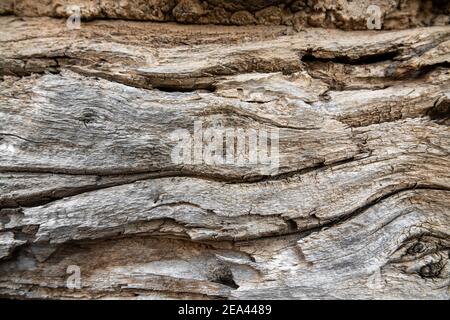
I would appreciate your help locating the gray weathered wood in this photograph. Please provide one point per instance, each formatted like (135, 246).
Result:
(359, 207)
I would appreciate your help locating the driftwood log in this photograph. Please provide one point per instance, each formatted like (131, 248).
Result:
(359, 206)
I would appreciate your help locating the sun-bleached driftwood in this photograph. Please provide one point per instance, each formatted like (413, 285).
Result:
(358, 208)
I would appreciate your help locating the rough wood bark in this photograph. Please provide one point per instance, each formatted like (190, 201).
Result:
(342, 14)
(359, 207)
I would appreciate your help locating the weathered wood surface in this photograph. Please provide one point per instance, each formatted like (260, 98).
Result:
(359, 207)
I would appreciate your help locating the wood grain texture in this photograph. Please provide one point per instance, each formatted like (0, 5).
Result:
(358, 208)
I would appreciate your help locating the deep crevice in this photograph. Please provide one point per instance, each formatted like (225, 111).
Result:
(376, 200)
(52, 195)
(362, 60)
(424, 70)
(180, 88)
(302, 233)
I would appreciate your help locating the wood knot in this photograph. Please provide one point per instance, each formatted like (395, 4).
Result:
(431, 270)
(87, 116)
(416, 248)
(220, 272)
